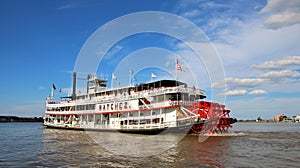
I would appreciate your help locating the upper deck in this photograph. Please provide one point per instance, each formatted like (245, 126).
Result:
(151, 89)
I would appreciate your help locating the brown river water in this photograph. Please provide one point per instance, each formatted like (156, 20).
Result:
(247, 145)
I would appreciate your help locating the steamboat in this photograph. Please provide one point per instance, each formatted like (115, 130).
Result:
(148, 108)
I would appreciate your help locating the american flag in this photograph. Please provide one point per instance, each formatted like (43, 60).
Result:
(178, 66)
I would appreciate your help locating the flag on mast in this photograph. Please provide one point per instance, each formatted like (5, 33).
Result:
(153, 75)
(53, 86)
(131, 71)
(178, 66)
(113, 76)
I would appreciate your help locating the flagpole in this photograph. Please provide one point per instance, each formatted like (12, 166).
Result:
(113, 77)
(130, 77)
(52, 92)
(176, 73)
(177, 68)
(151, 77)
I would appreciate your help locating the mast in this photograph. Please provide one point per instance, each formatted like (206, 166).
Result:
(74, 86)
(113, 76)
(177, 68)
(88, 84)
(52, 92)
(130, 77)
(176, 74)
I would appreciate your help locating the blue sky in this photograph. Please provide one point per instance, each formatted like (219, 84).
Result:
(257, 41)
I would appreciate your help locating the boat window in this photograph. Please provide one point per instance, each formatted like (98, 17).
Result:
(174, 97)
(160, 98)
(90, 107)
(185, 96)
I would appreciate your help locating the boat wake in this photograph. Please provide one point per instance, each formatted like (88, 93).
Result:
(204, 137)
(230, 134)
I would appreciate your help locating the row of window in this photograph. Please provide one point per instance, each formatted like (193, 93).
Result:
(85, 107)
(70, 108)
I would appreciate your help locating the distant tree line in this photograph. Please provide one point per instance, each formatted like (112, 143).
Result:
(20, 119)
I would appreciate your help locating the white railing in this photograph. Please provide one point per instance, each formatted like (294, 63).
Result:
(142, 94)
(163, 104)
(132, 96)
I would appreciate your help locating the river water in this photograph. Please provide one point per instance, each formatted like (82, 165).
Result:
(247, 145)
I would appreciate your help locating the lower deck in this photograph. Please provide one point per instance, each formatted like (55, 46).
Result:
(178, 130)
(146, 120)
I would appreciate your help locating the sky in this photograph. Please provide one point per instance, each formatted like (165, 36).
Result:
(257, 42)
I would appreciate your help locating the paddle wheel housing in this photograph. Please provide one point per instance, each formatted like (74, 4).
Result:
(217, 119)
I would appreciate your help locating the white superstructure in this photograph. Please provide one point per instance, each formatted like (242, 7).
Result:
(148, 106)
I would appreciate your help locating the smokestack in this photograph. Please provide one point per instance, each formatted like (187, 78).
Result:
(74, 86)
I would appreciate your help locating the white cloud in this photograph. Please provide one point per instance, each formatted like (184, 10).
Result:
(282, 20)
(283, 13)
(280, 74)
(236, 92)
(243, 40)
(281, 6)
(244, 82)
(216, 19)
(240, 82)
(257, 92)
(248, 44)
(191, 14)
(284, 62)
(240, 92)
(258, 39)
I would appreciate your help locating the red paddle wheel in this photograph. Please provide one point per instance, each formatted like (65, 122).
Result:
(216, 118)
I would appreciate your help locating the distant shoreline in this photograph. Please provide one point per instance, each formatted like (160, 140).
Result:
(20, 119)
(256, 121)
